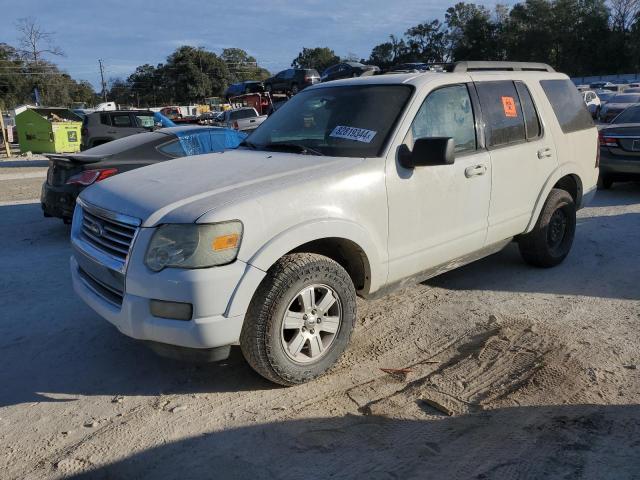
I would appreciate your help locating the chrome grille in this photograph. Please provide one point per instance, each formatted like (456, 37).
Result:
(111, 237)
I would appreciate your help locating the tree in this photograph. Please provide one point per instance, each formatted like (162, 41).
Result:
(319, 58)
(427, 42)
(242, 66)
(472, 33)
(34, 42)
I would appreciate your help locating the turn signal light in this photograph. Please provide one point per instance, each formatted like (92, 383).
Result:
(225, 242)
(88, 177)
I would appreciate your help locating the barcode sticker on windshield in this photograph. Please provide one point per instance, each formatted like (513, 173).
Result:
(351, 133)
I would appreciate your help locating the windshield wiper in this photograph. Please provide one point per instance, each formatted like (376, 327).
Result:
(294, 147)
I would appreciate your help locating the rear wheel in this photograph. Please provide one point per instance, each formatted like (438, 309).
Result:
(300, 320)
(551, 239)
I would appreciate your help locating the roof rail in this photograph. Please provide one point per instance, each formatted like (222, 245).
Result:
(480, 66)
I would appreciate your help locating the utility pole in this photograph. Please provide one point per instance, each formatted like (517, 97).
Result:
(104, 85)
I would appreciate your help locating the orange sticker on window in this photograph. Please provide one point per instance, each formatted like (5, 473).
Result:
(509, 106)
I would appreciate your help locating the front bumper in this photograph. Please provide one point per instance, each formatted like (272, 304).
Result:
(121, 292)
(58, 201)
(134, 319)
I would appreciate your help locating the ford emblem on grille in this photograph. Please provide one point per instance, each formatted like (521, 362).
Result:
(96, 229)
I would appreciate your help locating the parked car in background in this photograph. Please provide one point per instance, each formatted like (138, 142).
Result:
(106, 126)
(592, 101)
(210, 118)
(292, 80)
(348, 70)
(69, 174)
(353, 187)
(620, 148)
(410, 67)
(603, 86)
(249, 86)
(632, 90)
(244, 119)
(605, 96)
(616, 105)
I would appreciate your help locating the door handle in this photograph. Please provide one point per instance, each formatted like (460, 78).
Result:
(475, 171)
(544, 153)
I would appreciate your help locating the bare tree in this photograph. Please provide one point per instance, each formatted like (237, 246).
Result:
(623, 13)
(34, 42)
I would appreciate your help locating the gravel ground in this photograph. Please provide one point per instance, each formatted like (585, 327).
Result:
(512, 372)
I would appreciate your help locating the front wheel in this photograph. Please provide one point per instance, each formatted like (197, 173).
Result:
(300, 319)
(551, 239)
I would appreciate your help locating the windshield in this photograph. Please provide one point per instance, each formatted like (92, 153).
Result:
(344, 121)
(630, 115)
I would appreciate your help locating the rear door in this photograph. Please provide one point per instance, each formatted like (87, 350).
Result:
(523, 155)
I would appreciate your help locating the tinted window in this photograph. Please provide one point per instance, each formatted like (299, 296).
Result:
(104, 119)
(447, 112)
(630, 115)
(502, 111)
(531, 120)
(289, 73)
(570, 110)
(123, 120)
(172, 149)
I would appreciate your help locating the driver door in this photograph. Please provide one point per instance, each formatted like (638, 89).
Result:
(438, 213)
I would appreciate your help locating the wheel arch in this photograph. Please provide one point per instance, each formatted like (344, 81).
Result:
(343, 241)
(564, 177)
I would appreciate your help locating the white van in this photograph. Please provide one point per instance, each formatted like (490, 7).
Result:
(353, 187)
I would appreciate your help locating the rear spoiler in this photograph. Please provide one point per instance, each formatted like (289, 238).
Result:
(76, 157)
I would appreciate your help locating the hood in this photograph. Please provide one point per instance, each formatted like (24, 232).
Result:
(184, 189)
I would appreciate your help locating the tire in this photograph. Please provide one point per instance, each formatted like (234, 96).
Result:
(265, 341)
(604, 183)
(294, 89)
(550, 241)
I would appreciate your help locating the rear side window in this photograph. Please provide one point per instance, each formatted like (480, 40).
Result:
(242, 114)
(104, 119)
(146, 121)
(567, 104)
(503, 113)
(172, 149)
(531, 120)
(121, 120)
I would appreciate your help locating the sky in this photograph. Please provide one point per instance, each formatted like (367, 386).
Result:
(128, 33)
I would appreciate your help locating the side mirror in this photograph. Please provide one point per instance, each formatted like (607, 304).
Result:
(428, 151)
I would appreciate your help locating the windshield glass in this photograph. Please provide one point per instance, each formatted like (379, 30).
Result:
(630, 115)
(345, 121)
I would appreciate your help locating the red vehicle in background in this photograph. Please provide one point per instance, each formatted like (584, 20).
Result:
(264, 103)
(175, 114)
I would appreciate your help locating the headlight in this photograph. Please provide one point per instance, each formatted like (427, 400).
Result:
(193, 245)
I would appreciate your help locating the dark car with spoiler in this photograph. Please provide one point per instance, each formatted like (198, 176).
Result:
(69, 174)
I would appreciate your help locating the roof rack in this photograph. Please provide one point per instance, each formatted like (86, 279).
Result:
(480, 66)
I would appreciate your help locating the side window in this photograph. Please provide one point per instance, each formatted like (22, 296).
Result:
(122, 120)
(289, 73)
(570, 110)
(172, 149)
(104, 119)
(146, 121)
(504, 122)
(531, 119)
(446, 112)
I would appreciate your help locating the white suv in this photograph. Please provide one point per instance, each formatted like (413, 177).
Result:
(353, 187)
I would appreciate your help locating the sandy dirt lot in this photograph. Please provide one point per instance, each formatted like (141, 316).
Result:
(514, 372)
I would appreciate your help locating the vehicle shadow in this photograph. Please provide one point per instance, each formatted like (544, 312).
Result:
(52, 345)
(550, 442)
(622, 193)
(603, 263)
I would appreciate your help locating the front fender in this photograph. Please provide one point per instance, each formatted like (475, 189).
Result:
(294, 237)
